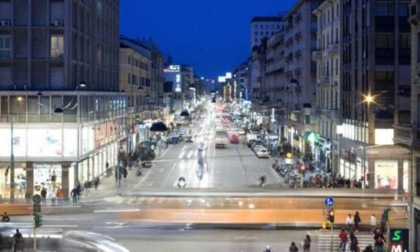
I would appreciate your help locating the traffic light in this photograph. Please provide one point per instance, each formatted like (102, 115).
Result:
(37, 220)
(331, 216)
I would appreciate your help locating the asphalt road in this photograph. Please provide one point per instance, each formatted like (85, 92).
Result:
(233, 167)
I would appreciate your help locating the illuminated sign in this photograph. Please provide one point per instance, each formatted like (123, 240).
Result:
(398, 240)
(174, 67)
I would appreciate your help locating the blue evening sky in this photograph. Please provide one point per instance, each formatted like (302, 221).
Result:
(210, 35)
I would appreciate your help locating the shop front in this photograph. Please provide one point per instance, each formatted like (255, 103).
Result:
(382, 166)
(51, 157)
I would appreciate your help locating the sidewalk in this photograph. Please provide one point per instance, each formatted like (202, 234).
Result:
(108, 186)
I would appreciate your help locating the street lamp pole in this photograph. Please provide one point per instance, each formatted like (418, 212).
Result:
(12, 162)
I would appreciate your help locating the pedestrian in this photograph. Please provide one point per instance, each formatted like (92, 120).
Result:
(28, 196)
(52, 196)
(293, 247)
(96, 182)
(343, 239)
(86, 186)
(379, 241)
(349, 222)
(74, 194)
(59, 195)
(307, 243)
(373, 224)
(356, 221)
(354, 243)
(53, 181)
(44, 195)
(18, 243)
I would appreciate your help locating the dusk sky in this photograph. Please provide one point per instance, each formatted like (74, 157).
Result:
(210, 35)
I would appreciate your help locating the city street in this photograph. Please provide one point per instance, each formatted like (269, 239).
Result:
(236, 166)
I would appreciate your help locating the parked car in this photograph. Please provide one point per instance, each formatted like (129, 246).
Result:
(188, 139)
(234, 138)
(173, 139)
(262, 153)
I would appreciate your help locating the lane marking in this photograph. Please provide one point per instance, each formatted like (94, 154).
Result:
(117, 210)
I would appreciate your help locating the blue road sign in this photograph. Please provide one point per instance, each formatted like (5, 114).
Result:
(329, 201)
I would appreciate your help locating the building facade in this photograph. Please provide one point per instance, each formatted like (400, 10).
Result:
(407, 131)
(62, 113)
(375, 65)
(328, 83)
(300, 40)
(264, 27)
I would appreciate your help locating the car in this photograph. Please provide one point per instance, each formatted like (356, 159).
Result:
(173, 139)
(257, 147)
(241, 132)
(234, 138)
(188, 139)
(262, 153)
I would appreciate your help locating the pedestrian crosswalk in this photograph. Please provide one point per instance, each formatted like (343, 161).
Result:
(324, 241)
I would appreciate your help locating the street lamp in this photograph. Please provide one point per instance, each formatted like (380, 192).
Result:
(12, 155)
(60, 110)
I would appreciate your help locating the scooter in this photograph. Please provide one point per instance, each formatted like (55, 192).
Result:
(181, 183)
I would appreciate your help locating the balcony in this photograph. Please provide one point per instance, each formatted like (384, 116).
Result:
(333, 49)
(414, 14)
(407, 136)
(316, 55)
(324, 79)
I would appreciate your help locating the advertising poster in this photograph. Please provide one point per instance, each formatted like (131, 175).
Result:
(19, 142)
(44, 175)
(70, 143)
(386, 174)
(45, 143)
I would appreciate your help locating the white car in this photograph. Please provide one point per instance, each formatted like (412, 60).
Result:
(262, 153)
(241, 132)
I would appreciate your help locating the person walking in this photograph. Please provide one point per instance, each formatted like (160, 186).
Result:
(373, 224)
(307, 243)
(349, 222)
(343, 240)
(356, 221)
(18, 243)
(379, 241)
(74, 194)
(44, 195)
(96, 183)
(354, 243)
(293, 247)
(59, 195)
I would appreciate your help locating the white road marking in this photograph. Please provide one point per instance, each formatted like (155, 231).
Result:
(118, 210)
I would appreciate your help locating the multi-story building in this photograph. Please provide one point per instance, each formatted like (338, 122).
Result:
(240, 74)
(375, 64)
(62, 108)
(407, 131)
(328, 88)
(264, 27)
(300, 40)
(182, 79)
(273, 84)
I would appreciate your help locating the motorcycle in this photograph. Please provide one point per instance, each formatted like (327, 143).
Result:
(181, 183)
(5, 218)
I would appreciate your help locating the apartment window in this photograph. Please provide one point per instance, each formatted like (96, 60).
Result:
(384, 9)
(129, 78)
(57, 46)
(403, 10)
(129, 59)
(384, 40)
(5, 47)
(405, 40)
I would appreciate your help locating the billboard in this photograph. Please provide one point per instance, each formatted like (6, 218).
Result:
(386, 174)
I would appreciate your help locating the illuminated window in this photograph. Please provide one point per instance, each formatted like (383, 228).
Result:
(57, 46)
